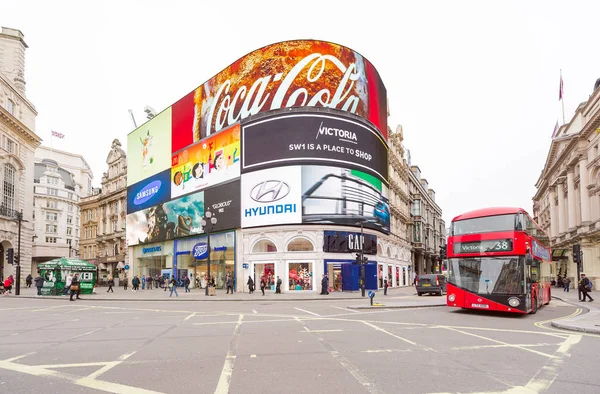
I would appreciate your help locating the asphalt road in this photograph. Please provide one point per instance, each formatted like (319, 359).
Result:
(56, 346)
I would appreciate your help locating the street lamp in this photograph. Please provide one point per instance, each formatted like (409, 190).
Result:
(208, 222)
(19, 218)
(362, 256)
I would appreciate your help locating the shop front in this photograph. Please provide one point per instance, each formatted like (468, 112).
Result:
(150, 260)
(192, 259)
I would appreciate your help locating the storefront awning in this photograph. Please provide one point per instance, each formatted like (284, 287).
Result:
(558, 254)
(102, 266)
(120, 264)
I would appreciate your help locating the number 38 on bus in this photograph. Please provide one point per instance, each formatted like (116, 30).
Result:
(498, 259)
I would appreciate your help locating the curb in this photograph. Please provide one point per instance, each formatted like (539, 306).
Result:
(395, 306)
(589, 330)
(586, 309)
(176, 299)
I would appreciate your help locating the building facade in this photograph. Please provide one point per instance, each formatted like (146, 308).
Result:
(103, 218)
(18, 143)
(57, 191)
(567, 202)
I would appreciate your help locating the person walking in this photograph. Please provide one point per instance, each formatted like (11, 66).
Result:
(8, 285)
(186, 283)
(125, 280)
(250, 284)
(323, 285)
(135, 282)
(385, 286)
(173, 287)
(566, 284)
(278, 286)
(111, 283)
(263, 284)
(28, 280)
(229, 283)
(143, 282)
(39, 283)
(149, 282)
(74, 287)
(585, 286)
(68, 280)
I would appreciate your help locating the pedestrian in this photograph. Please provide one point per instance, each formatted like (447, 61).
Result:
(143, 282)
(278, 286)
(263, 284)
(8, 285)
(149, 282)
(135, 282)
(229, 283)
(250, 284)
(585, 286)
(414, 279)
(74, 287)
(326, 284)
(323, 285)
(39, 283)
(125, 280)
(68, 283)
(173, 287)
(186, 283)
(111, 283)
(566, 284)
(197, 282)
(385, 286)
(28, 280)
(361, 284)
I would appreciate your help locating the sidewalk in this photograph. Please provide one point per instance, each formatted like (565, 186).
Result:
(587, 322)
(405, 296)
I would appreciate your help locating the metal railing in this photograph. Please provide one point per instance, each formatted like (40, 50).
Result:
(8, 212)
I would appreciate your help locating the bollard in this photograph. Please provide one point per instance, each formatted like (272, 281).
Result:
(371, 296)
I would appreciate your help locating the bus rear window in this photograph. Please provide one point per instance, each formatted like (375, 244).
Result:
(484, 225)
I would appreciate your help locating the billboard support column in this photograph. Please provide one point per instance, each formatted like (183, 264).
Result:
(208, 222)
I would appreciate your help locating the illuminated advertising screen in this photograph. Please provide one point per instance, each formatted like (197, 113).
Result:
(332, 195)
(286, 74)
(207, 163)
(223, 202)
(308, 137)
(173, 219)
(149, 148)
(271, 196)
(149, 192)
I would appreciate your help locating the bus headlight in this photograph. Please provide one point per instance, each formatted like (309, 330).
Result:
(514, 302)
(451, 297)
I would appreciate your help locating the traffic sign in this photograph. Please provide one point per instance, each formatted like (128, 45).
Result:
(244, 266)
(127, 267)
(371, 294)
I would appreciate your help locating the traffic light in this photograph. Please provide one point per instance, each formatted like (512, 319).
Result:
(443, 252)
(10, 255)
(577, 253)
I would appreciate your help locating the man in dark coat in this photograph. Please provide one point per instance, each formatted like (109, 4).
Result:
(28, 280)
(39, 283)
(278, 286)
(585, 288)
(186, 283)
(385, 286)
(250, 285)
(75, 287)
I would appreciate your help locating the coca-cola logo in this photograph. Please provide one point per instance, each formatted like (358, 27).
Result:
(228, 107)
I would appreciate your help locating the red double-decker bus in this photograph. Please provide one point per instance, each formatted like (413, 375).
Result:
(498, 259)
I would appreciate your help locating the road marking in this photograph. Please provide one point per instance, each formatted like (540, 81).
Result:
(502, 346)
(309, 312)
(52, 307)
(109, 366)
(345, 309)
(355, 372)
(54, 366)
(386, 351)
(19, 357)
(502, 343)
(87, 333)
(540, 324)
(253, 356)
(306, 329)
(189, 316)
(112, 387)
(227, 371)
(389, 333)
(254, 311)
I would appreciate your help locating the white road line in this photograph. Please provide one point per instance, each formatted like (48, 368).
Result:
(227, 371)
(389, 333)
(109, 366)
(19, 357)
(54, 366)
(87, 333)
(112, 387)
(52, 307)
(387, 351)
(309, 330)
(309, 312)
(189, 317)
(254, 311)
(345, 309)
(501, 346)
(502, 343)
(355, 372)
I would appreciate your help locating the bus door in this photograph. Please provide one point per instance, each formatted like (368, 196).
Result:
(532, 276)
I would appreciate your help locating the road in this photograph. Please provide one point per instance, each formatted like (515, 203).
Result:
(56, 346)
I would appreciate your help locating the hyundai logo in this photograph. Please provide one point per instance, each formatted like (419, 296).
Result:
(269, 191)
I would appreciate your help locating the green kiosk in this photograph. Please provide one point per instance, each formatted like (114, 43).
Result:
(56, 271)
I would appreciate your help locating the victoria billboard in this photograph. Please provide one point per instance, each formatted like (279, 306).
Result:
(305, 136)
(314, 194)
(286, 74)
(207, 163)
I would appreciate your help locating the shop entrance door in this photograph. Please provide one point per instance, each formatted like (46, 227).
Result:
(266, 270)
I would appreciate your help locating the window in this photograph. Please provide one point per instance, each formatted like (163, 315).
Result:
(8, 188)
(264, 246)
(300, 245)
(484, 224)
(69, 207)
(9, 145)
(51, 228)
(52, 181)
(51, 240)
(51, 216)
(300, 276)
(116, 249)
(94, 232)
(416, 208)
(114, 226)
(52, 192)
(69, 241)
(69, 219)
(70, 196)
(52, 204)
(10, 106)
(69, 230)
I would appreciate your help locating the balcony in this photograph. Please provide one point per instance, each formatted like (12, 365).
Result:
(8, 213)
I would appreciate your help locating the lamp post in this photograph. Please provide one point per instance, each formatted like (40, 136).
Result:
(208, 222)
(19, 216)
(362, 257)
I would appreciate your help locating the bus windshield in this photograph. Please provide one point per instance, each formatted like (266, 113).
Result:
(484, 224)
(488, 275)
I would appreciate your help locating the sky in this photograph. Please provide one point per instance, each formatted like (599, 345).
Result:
(474, 84)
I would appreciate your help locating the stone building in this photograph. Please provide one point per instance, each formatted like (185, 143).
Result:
(567, 202)
(18, 143)
(103, 217)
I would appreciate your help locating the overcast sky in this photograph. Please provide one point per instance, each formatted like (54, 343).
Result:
(473, 83)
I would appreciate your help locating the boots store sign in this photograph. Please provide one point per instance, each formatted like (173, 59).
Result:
(281, 75)
(307, 136)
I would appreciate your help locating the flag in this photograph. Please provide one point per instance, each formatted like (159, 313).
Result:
(560, 89)
(555, 130)
(57, 134)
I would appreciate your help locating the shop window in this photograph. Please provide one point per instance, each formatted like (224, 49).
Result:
(300, 276)
(300, 244)
(264, 246)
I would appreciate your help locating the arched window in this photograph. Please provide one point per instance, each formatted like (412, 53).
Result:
(300, 244)
(8, 187)
(379, 250)
(264, 246)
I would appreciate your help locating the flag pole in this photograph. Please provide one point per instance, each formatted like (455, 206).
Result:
(51, 149)
(562, 97)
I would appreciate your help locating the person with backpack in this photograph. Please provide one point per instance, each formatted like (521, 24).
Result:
(585, 286)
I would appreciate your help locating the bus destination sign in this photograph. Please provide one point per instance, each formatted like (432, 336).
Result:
(500, 245)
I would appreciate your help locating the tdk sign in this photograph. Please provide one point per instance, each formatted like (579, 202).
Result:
(147, 192)
(268, 193)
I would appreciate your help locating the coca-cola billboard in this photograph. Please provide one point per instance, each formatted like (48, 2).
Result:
(286, 74)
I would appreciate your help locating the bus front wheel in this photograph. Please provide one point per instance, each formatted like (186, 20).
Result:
(535, 306)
